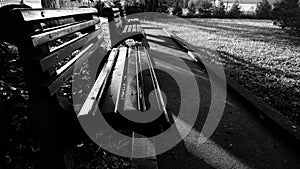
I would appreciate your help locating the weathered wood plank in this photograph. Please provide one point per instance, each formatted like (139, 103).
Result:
(125, 29)
(118, 78)
(45, 37)
(129, 29)
(60, 26)
(134, 28)
(139, 28)
(115, 9)
(67, 48)
(131, 96)
(143, 147)
(141, 74)
(67, 70)
(97, 90)
(43, 14)
(117, 14)
(162, 106)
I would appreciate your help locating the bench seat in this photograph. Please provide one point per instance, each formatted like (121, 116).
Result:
(133, 31)
(131, 81)
(121, 28)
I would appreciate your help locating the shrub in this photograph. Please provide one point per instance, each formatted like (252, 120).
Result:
(205, 8)
(177, 11)
(135, 7)
(235, 11)
(219, 10)
(192, 10)
(162, 7)
(263, 9)
(99, 5)
(286, 14)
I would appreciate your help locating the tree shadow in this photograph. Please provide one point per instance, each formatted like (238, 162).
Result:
(229, 137)
(265, 82)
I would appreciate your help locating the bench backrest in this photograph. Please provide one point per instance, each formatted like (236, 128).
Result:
(122, 11)
(35, 32)
(52, 44)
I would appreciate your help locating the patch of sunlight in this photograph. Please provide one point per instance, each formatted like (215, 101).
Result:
(206, 149)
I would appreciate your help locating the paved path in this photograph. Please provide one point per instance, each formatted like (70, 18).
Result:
(241, 140)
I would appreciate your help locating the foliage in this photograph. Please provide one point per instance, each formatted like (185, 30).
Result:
(134, 7)
(219, 11)
(263, 9)
(162, 7)
(192, 10)
(286, 14)
(235, 10)
(177, 10)
(99, 5)
(205, 8)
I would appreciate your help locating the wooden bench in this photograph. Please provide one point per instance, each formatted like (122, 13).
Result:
(53, 45)
(133, 82)
(120, 31)
(125, 20)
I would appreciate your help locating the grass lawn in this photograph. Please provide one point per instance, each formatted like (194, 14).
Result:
(258, 55)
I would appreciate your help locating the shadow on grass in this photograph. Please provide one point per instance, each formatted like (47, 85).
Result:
(270, 84)
(233, 128)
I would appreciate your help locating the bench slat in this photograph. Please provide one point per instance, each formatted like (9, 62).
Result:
(67, 48)
(125, 29)
(42, 14)
(65, 72)
(144, 53)
(60, 26)
(43, 38)
(131, 101)
(117, 14)
(139, 28)
(129, 28)
(140, 73)
(98, 87)
(115, 9)
(118, 77)
(134, 28)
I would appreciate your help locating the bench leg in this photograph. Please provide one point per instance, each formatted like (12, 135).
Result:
(57, 132)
